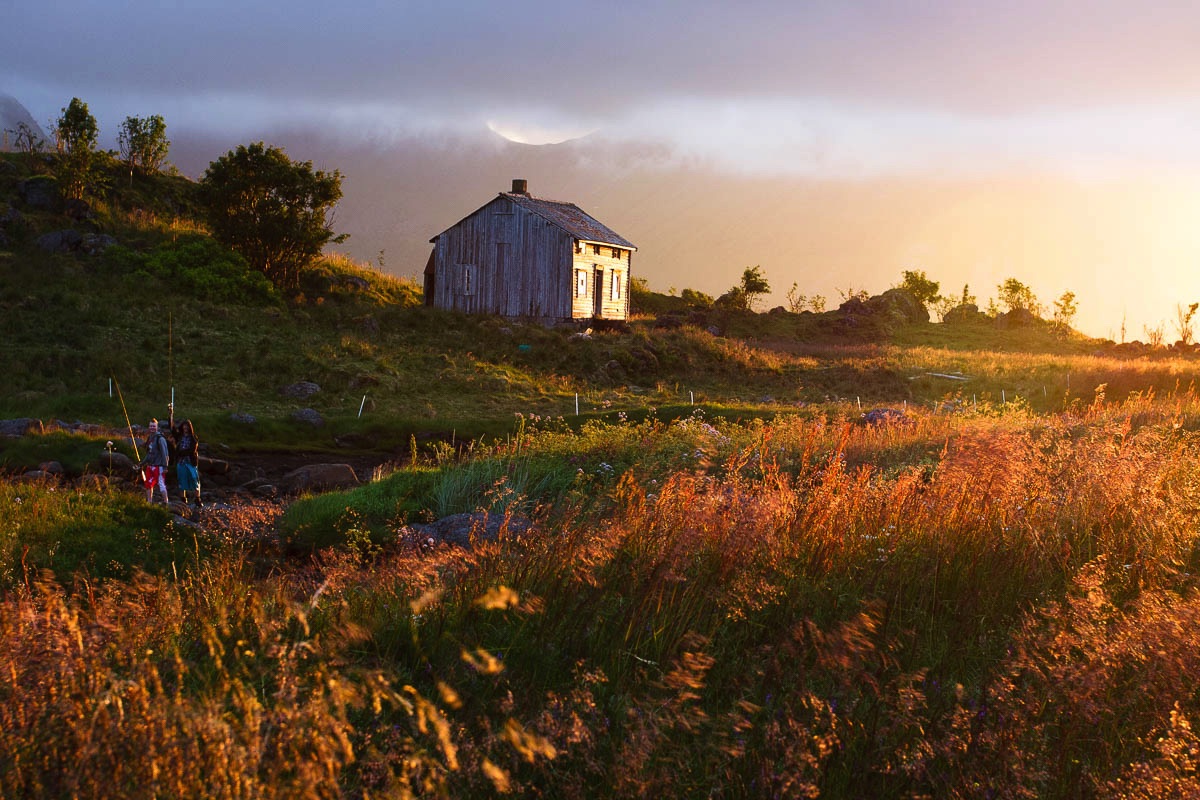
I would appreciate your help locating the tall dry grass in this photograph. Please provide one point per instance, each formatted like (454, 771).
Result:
(962, 605)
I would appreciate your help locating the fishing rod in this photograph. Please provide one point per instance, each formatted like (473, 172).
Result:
(128, 424)
(171, 361)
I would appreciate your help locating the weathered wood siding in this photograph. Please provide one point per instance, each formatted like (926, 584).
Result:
(518, 264)
(613, 266)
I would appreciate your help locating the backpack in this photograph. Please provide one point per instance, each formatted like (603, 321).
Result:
(164, 447)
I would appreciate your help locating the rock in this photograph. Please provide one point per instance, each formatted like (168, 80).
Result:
(462, 530)
(116, 463)
(96, 243)
(39, 192)
(1016, 318)
(11, 217)
(213, 466)
(21, 426)
(300, 390)
(963, 314)
(78, 210)
(713, 330)
(885, 416)
(63, 241)
(317, 477)
(243, 419)
(52, 468)
(266, 490)
(308, 416)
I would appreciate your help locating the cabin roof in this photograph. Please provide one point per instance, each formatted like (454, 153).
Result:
(567, 216)
(572, 219)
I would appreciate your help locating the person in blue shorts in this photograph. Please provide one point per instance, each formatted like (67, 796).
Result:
(187, 461)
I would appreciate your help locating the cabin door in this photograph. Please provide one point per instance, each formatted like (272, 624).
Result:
(598, 294)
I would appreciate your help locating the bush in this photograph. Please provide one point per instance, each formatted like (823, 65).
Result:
(196, 266)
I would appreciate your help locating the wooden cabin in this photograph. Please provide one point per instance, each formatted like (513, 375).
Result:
(521, 256)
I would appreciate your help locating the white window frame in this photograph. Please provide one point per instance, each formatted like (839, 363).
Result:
(581, 283)
(616, 284)
(468, 279)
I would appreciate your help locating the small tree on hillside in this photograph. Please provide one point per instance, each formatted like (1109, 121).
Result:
(754, 284)
(75, 132)
(1015, 295)
(144, 143)
(270, 209)
(798, 302)
(1183, 321)
(27, 141)
(1064, 310)
(696, 298)
(919, 286)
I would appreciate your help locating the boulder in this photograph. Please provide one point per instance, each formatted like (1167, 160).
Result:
(11, 217)
(963, 314)
(885, 416)
(243, 418)
(308, 416)
(213, 466)
(63, 241)
(116, 464)
(461, 530)
(21, 426)
(52, 468)
(40, 192)
(95, 243)
(1016, 318)
(78, 210)
(300, 390)
(319, 477)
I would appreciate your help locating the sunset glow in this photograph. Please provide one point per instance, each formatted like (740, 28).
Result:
(834, 145)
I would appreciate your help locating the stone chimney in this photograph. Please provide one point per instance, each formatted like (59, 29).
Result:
(520, 186)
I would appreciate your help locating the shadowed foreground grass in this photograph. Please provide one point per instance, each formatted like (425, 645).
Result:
(964, 605)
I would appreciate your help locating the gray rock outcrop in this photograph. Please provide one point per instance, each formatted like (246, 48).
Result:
(319, 477)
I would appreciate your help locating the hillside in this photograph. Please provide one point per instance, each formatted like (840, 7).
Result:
(146, 307)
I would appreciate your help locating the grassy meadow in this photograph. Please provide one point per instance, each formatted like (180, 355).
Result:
(963, 604)
(713, 578)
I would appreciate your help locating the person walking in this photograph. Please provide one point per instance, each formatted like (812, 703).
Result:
(154, 465)
(187, 464)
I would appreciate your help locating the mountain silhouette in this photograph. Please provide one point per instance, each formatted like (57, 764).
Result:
(13, 114)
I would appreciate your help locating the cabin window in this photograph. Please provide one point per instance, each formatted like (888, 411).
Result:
(468, 279)
(616, 286)
(595, 249)
(581, 283)
(617, 253)
(578, 247)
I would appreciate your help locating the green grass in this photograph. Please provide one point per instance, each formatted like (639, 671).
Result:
(97, 533)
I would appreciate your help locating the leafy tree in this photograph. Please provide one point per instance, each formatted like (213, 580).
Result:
(76, 132)
(270, 209)
(1014, 295)
(743, 296)
(697, 299)
(753, 284)
(920, 287)
(144, 143)
(1064, 310)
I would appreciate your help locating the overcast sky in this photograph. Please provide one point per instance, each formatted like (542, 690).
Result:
(830, 88)
(1090, 93)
